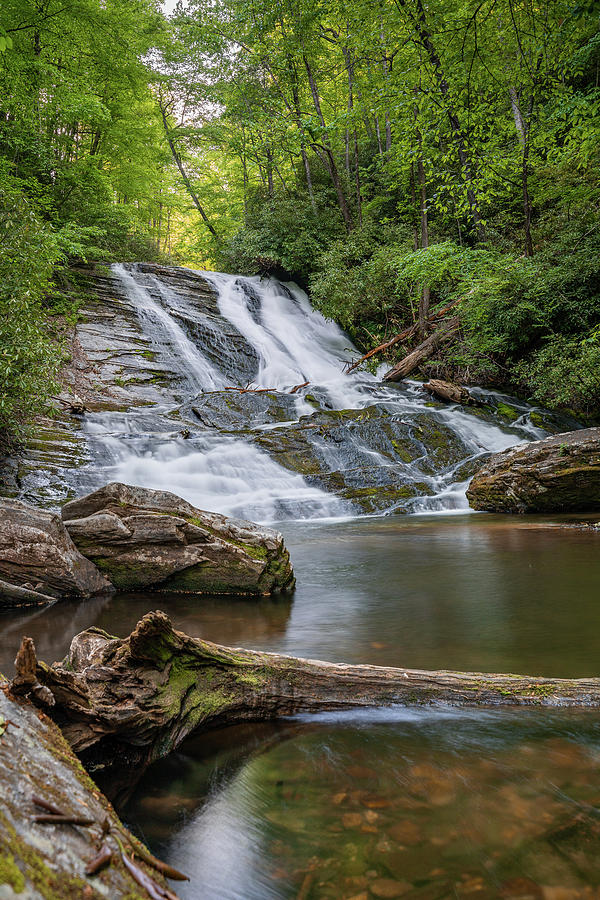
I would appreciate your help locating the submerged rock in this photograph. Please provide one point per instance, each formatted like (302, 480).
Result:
(558, 474)
(144, 538)
(42, 860)
(37, 553)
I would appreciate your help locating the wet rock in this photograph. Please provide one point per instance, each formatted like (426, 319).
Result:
(406, 832)
(558, 474)
(372, 456)
(39, 860)
(144, 538)
(449, 392)
(234, 410)
(36, 552)
(389, 888)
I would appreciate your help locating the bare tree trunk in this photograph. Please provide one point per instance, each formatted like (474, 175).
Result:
(523, 127)
(406, 366)
(327, 155)
(164, 109)
(378, 133)
(426, 41)
(425, 293)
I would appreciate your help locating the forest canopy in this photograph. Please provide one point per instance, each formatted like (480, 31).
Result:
(392, 156)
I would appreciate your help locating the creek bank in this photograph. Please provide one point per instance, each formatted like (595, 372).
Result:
(560, 473)
(136, 699)
(141, 538)
(47, 861)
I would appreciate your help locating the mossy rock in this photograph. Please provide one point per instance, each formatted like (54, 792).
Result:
(43, 861)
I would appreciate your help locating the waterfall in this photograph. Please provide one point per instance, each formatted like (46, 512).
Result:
(350, 435)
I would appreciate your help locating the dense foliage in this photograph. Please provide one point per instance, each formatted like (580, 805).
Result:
(392, 156)
(400, 154)
(84, 172)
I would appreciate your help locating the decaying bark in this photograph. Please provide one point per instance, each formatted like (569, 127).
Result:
(449, 392)
(444, 333)
(136, 699)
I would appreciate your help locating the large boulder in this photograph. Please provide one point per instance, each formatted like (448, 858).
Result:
(142, 538)
(47, 860)
(36, 553)
(558, 474)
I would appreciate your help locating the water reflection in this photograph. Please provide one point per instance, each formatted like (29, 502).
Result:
(416, 803)
(477, 593)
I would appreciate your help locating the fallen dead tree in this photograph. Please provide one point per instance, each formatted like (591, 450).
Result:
(447, 330)
(450, 393)
(405, 335)
(136, 699)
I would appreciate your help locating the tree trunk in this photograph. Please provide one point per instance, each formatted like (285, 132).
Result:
(163, 109)
(522, 126)
(327, 155)
(426, 41)
(137, 699)
(444, 333)
(425, 292)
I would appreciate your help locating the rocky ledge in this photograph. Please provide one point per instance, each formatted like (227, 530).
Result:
(39, 559)
(132, 538)
(558, 474)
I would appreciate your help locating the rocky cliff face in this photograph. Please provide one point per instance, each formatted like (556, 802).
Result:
(558, 474)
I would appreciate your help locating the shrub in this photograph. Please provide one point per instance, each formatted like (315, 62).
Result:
(28, 359)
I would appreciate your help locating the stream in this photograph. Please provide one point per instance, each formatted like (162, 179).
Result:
(367, 483)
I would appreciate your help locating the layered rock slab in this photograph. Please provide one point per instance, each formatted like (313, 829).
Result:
(142, 538)
(47, 861)
(37, 554)
(558, 474)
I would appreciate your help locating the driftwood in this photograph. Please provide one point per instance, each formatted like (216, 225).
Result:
(134, 700)
(451, 393)
(72, 403)
(402, 336)
(249, 390)
(444, 333)
(297, 387)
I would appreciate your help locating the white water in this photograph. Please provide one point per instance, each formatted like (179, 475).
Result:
(162, 328)
(294, 344)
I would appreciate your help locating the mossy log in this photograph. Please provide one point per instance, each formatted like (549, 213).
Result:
(136, 699)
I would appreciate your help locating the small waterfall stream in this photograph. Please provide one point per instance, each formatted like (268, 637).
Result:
(350, 435)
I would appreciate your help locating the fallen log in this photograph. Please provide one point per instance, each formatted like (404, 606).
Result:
(44, 856)
(136, 699)
(449, 392)
(444, 333)
(297, 387)
(402, 336)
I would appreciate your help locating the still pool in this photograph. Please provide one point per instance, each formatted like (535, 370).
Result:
(424, 803)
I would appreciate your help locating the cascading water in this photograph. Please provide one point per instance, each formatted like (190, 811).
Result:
(347, 443)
